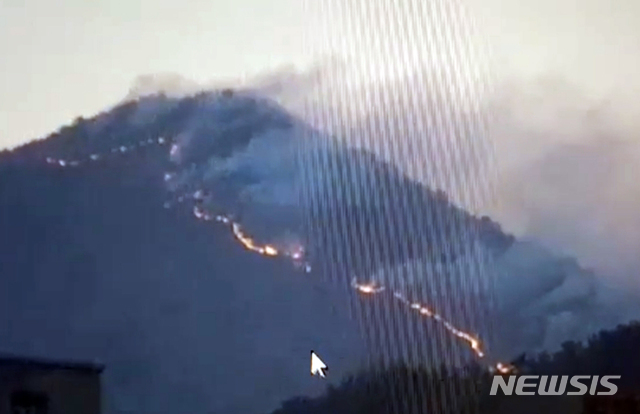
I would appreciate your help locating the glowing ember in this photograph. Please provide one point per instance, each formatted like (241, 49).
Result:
(367, 288)
(504, 368)
(270, 250)
(222, 219)
(197, 211)
(95, 157)
(249, 244)
(297, 253)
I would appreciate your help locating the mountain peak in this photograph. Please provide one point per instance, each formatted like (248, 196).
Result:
(169, 84)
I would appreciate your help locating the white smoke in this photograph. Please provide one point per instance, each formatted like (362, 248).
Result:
(568, 164)
(551, 163)
(546, 167)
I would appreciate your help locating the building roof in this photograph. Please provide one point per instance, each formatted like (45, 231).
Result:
(8, 360)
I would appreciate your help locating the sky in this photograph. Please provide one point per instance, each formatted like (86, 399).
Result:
(69, 58)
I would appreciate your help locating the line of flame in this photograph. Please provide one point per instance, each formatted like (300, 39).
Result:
(271, 251)
(371, 289)
(65, 163)
(250, 244)
(474, 343)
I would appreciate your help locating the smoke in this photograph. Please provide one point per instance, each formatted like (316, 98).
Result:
(552, 163)
(568, 164)
(237, 153)
(358, 188)
(248, 157)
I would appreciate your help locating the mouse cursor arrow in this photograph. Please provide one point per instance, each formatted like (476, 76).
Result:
(317, 366)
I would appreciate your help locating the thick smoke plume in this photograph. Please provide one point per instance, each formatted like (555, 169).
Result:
(357, 163)
(568, 164)
(550, 163)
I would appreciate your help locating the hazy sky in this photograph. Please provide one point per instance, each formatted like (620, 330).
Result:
(71, 57)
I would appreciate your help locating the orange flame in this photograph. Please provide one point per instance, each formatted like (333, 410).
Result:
(373, 288)
(367, 288)
(473, 342)
(504, 368)
(249, 244)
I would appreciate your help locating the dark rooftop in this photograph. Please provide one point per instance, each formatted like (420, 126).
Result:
(15, 361)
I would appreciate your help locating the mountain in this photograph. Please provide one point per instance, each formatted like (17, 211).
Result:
(109, 250)
(95, 267)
